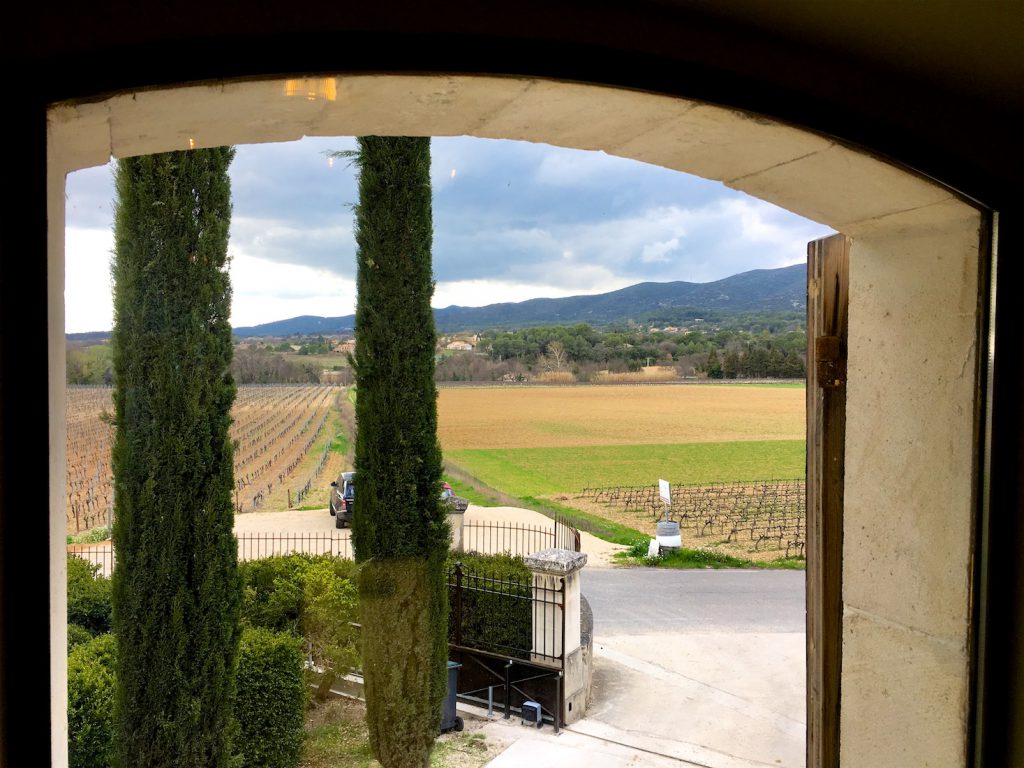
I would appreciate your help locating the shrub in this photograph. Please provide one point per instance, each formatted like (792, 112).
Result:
(274, 588)
(494, 617)
(330, 606)
(91, 685)
(271, 699)
(77, 635)
(89, 603)
(555, 377)
(272, 591)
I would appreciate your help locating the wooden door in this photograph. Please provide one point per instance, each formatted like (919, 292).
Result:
(828, 262)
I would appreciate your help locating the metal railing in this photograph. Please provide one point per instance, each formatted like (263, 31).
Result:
(251, 546)
(497, 537)
(514, 618)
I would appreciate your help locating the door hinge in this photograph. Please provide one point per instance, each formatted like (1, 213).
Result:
(831, 361)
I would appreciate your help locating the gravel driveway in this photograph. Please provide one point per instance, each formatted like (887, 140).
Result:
(319, 521)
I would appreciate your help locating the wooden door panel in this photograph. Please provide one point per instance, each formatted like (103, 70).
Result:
(828, 263)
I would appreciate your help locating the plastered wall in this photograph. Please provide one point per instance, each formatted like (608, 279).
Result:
(913, 315)
(909, 463)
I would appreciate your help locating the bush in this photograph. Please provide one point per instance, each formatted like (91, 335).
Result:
(274, 588)
(91, 685)
(77, 635)
(498, 620)
(271, 699)
(272, 591)
(89, 604)
(330, 606)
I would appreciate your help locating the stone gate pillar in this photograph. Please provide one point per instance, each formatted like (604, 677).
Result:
(455, 518)
(551, 634)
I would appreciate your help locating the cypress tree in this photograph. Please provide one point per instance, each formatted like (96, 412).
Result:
(400, 531)
(176, 591)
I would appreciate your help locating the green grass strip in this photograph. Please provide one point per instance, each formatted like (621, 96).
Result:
(470, 491)
(702, 558)
(478, 492)
(340, 444)
(523, 472)
(584, 521)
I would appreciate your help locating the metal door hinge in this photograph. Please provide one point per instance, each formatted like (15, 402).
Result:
(831, 361)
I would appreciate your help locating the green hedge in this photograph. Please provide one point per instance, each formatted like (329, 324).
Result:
(271, 700)
(89, 603)
(91, 686)
(499, 619)
(274, 588)
(272, 591)
(77, 636)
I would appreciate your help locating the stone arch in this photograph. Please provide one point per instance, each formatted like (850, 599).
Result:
(914, 333)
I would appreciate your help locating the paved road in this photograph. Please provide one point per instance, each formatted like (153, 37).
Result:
(651, 600)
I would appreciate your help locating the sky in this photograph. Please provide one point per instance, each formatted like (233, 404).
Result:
(512, 221)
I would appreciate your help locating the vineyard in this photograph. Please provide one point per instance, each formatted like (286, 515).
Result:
(744, 517)
(277, 431)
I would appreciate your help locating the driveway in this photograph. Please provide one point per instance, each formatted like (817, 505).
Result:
(700, 666)
(320, 522)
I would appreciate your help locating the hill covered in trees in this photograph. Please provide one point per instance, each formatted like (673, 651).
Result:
(760, 291)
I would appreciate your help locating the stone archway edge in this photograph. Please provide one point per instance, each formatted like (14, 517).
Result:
(757, 155)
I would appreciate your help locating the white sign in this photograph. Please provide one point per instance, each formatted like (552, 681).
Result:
(665, 492)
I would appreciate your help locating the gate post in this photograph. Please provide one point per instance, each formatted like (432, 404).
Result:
(455, 522)
(556, 624)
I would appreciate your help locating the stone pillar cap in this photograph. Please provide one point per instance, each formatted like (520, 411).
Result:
(556, 561)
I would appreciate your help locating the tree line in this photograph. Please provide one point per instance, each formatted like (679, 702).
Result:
(584, 350)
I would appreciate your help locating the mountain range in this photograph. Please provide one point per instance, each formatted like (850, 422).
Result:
(759, 291)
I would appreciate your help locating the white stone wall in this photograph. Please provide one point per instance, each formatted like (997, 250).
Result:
(908, 502)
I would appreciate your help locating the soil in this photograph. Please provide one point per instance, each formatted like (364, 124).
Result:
(469, 748)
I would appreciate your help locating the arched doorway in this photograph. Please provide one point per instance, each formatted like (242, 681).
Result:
(914, 284)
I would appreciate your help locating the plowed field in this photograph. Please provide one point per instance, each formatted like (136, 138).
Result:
(559, 417)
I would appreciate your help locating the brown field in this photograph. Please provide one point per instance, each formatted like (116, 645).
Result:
(545, 417)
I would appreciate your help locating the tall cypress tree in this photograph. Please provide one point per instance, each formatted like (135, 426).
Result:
(176, 590)
(400, 531)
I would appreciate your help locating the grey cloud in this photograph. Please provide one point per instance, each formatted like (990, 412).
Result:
(513, 212)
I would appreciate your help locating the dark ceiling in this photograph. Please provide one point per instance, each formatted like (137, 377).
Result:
(934, 85)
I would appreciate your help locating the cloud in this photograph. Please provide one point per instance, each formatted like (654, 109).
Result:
(658, 252)
(88, 298)
(88, 198)
(572, 168)
(264, 290)
(515, 220)
(328, 245)
(480, 293)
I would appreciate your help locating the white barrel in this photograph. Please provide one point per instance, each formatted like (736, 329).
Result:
(668, 534)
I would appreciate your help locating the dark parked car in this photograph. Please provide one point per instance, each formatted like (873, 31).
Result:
(343, 499)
